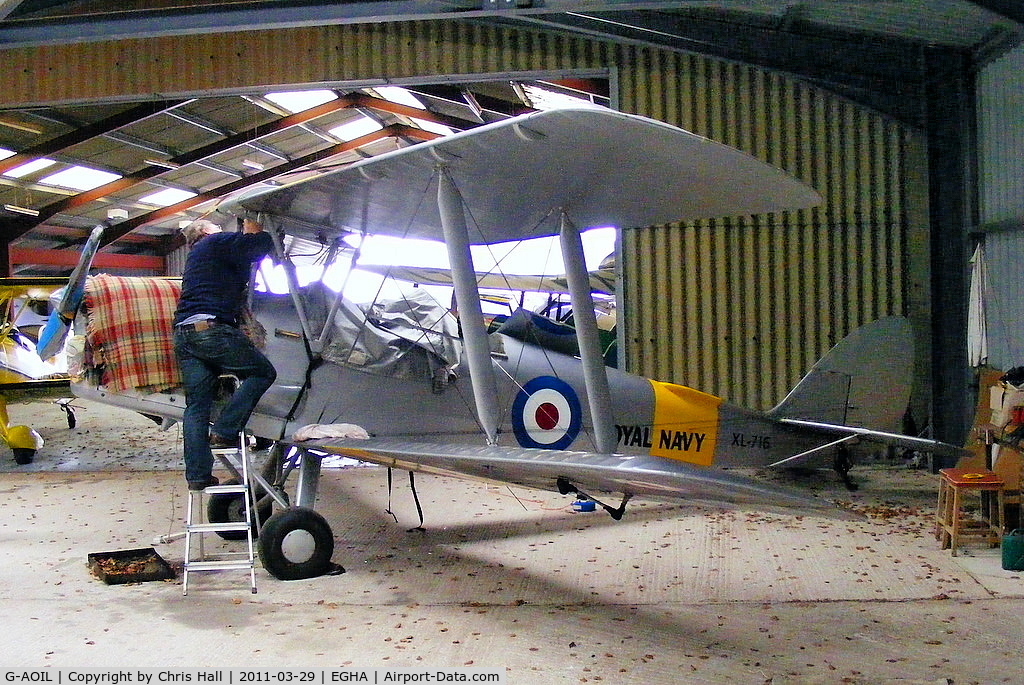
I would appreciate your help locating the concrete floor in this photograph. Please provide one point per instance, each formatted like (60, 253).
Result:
(501, 579)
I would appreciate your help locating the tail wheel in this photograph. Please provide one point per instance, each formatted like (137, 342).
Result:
(23, 455)
(230, 508)
(296, 543)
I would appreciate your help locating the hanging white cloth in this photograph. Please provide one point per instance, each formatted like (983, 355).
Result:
(977, 327)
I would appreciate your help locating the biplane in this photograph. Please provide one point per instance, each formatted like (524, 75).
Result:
(421, 386)
(24, 311)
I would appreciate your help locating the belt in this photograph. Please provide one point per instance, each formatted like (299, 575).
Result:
(198, 325)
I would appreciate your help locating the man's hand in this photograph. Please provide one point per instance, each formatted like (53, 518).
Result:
(251, 226)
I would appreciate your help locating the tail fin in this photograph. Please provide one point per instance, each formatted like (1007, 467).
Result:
(863, 381)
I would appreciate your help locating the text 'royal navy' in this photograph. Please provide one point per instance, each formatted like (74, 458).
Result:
(644, 436)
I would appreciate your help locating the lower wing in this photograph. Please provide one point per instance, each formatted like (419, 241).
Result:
(586, 472)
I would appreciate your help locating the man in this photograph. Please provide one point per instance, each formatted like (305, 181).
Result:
(208, 342)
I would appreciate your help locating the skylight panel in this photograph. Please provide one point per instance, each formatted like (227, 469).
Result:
(29, 167)
(355, 129)
(546, 99)
(167, 196)
(433, 127)
(301, 100)
(402, 96)
(79, 178)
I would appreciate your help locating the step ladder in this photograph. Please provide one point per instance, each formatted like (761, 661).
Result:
(237, 461)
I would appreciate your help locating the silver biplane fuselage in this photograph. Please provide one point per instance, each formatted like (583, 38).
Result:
(445, 396)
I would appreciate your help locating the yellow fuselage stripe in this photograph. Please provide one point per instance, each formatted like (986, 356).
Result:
(685, 424)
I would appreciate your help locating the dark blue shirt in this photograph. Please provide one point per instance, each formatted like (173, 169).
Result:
(217, 274)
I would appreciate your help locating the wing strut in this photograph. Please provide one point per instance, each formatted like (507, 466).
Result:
(594, 375)
(293, 285)
(806, 453)
(467, 296)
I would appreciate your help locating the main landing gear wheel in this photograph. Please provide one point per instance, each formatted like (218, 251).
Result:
(230, 508)
(296, 543)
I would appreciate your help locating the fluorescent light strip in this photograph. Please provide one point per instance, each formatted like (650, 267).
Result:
(18, 126)
(21, 210)
(162, 163)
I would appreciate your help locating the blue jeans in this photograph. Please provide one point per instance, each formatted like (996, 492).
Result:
(203, 356)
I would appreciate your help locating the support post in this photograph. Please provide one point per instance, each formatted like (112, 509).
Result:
(595, 377)
(308, 480)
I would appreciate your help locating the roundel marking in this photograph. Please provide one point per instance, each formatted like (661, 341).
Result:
(546, 414)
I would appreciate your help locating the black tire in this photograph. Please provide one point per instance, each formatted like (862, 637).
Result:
(296, 543)
(23, 455)
(230, 509)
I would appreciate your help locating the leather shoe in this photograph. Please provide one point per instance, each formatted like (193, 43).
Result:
(203, 484)
(220, 442)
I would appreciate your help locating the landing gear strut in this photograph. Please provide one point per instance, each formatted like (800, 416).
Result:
(565, 488)
(842, 465)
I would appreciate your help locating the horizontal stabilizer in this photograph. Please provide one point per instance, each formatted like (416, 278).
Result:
(896, 439)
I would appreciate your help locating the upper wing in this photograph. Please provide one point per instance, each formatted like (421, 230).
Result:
(601, 281)
(589, 472)
(599, 166)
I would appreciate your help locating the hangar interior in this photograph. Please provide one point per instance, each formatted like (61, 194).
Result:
(887, 109)
(905, 116)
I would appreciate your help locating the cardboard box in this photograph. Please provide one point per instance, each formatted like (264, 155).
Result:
(1003, 398)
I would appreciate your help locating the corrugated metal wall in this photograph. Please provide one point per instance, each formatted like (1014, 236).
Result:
(741, 308)
(1000, 115)
(744, 307)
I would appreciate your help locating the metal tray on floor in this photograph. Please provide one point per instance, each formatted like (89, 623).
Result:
(129, 566)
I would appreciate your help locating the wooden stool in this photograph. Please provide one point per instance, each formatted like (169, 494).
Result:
(950, 528)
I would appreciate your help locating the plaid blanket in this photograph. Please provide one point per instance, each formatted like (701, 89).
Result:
(130, 332)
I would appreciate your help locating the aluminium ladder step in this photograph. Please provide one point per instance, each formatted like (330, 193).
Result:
(225, 527)
(247, 562)
(224, 489)
(230, 449)
(220, 565)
